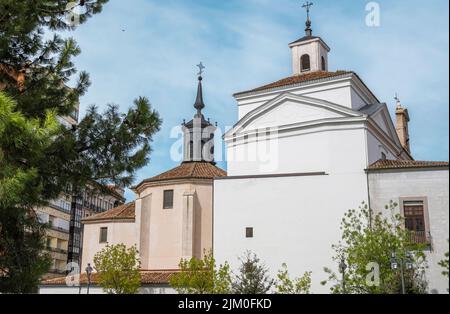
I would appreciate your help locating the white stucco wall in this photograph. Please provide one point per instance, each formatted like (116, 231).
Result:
(118, 233)
(432, 184)
(338, 149)
(166, 236)
(295, 219)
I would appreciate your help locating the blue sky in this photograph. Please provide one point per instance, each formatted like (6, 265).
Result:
(150, 48)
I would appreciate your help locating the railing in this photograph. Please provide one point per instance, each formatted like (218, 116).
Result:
(58, 207)
(56, 250)
(418, 237)
(59, 229)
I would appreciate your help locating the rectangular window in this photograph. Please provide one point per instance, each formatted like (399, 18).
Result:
(103, 235)
(168, 199)
(249, 232)
(415, 221)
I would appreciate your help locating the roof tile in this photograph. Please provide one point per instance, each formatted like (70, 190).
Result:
(147, 277)
(190, 170)
(406, 164)
(297, 79)
(126, 211)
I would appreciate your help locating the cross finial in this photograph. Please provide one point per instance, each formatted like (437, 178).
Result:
(201, 67)
(307, 6)
(308, 29)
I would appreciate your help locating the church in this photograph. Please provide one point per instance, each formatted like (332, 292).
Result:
(304, 150)
(308, 148)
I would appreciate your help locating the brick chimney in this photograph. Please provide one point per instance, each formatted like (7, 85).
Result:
(402, 125)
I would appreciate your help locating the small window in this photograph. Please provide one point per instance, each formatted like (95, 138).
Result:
(305, 63)
(168, 199)
(383, 156)
(249, 232)
(324, 65)
(191, 150)
(103, 235)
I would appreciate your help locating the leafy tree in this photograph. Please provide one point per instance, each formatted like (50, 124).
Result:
(20, 232)
(118, 269)
(445, 265)
(253, 277)
(286, 285)
(368, 241)
(35, 69)
(202, 277)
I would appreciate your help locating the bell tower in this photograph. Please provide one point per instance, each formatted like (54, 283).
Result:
(199, 132)
(309, 53)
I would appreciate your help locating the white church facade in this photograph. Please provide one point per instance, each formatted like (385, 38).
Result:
(304, 151)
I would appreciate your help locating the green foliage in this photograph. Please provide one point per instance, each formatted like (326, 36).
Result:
(445, 265)
(202, 277)
(368, 238)
(22, 260)
(38, 159)
(253, 277)
(286, 285)
(118, 269)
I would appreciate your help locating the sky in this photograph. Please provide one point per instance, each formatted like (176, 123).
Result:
(151, 48)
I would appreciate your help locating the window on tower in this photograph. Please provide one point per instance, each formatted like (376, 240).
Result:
(305, 63)
(324, 65)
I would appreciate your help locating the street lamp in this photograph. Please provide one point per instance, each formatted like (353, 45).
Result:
(342, 269)
(402, 263)
(89, 270)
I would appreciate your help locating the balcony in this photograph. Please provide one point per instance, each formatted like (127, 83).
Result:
(56, 250)
(58, 207)
(59, 229)
(419, 237)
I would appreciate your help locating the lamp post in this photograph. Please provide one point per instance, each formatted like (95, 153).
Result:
(400, 262)
(89, 270)
(342, 269)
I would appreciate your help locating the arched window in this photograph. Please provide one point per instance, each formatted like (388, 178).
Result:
(324, 65)
(305, 63)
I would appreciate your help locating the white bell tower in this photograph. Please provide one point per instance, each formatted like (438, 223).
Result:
(309, 53)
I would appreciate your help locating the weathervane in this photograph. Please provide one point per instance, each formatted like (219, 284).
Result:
(201, 67)
(397, 100)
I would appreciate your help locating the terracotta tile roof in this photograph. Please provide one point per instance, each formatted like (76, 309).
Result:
(297, 79)
(122, 212)
(147, 277)
(406, 164)
(190, 170)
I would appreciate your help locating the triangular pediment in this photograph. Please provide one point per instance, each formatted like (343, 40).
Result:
(383, 120)
(289, 109)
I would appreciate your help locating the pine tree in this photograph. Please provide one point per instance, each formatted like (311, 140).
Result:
(253, 277)
(38, 160)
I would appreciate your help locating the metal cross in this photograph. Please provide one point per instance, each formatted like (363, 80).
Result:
(307, 6)
(201, 67)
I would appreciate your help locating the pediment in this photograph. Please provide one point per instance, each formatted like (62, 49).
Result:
(289, 109)
(384, 122)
